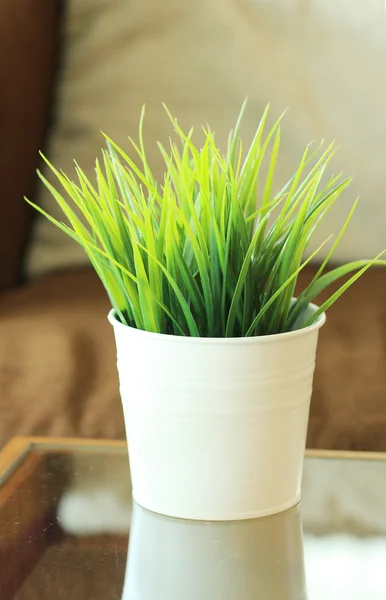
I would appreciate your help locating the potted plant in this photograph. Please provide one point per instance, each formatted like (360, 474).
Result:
(215, 355)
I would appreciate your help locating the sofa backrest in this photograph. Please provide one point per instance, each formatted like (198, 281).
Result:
(28, 42)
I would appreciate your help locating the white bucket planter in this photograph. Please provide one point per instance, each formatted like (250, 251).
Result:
(216, 427)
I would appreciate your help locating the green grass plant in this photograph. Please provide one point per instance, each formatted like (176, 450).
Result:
(213, 250)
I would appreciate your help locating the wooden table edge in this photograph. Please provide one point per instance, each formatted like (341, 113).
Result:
(18, 447)
(12, 454)
(345, 454)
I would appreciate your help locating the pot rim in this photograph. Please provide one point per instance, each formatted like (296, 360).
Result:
(263, 339)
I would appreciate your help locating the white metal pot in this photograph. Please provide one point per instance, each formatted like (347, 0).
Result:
(216, 427)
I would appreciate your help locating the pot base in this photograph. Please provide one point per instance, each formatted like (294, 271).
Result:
(218, 516)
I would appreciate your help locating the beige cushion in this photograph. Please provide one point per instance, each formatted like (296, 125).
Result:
(326, 60)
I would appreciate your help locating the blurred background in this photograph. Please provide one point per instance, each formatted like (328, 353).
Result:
(71, 69)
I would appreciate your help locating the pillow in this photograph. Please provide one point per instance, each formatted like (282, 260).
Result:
(325, 59)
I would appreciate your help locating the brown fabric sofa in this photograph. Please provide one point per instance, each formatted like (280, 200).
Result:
(57, 356)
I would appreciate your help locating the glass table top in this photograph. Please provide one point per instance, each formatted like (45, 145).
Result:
(66, 517)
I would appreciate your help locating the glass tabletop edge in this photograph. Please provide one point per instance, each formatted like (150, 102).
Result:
(13, 453)
(18, 447)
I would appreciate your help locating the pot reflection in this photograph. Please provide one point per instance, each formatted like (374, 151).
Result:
(171, 559)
